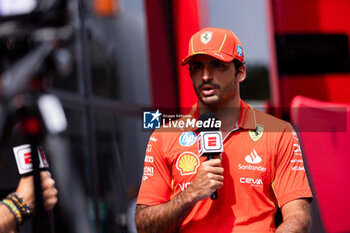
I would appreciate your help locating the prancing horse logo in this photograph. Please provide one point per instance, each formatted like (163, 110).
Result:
(256, 134)
(206, 37)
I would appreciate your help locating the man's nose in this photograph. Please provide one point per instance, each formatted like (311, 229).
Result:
(207, 74)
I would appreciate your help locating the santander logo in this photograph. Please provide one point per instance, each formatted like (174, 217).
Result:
(253, 158)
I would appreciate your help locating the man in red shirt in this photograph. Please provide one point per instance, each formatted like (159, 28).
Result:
(261, 166)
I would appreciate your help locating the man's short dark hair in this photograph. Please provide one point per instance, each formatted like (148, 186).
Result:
(237, 64)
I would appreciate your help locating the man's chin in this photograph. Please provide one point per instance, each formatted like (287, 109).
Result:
(210, 100)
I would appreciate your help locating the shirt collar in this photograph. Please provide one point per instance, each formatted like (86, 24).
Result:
(246, 120)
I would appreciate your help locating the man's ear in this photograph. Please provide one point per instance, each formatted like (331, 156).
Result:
(241, 74)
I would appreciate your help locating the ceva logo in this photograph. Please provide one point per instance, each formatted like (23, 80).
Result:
(253, 158)
(251, 181)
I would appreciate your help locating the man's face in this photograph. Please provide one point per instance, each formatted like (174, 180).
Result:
(215, 82)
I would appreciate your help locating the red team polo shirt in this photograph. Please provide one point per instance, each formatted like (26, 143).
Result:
(263, 168)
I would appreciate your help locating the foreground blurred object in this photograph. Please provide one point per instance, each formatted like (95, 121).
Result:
(24, 103)
(34, 36)
(324, 132)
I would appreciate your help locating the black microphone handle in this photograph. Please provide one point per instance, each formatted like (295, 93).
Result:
(214, 196)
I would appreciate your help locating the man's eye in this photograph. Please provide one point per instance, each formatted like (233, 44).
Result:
(217, 64)
(195, 67)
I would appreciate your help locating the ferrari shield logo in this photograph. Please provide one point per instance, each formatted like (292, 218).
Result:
(256, 134)
(206, 37)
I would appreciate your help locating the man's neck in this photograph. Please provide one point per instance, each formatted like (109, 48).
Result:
(228, 114)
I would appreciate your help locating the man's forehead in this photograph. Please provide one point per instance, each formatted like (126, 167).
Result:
(203, 58)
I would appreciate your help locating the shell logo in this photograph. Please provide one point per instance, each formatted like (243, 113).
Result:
(187, 163)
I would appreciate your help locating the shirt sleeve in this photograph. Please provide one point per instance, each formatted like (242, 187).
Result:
(290, 180)
(156, 180)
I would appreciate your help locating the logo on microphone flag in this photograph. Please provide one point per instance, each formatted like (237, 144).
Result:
(212, 141)
(23, 156)
(209, 142)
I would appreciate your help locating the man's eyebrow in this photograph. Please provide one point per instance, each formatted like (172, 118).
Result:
(216, 61)
(194, 62)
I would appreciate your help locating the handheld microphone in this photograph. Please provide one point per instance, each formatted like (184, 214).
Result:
(23, 156)
(209, 140)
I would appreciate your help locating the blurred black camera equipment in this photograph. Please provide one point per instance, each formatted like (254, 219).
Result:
(33, 35)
